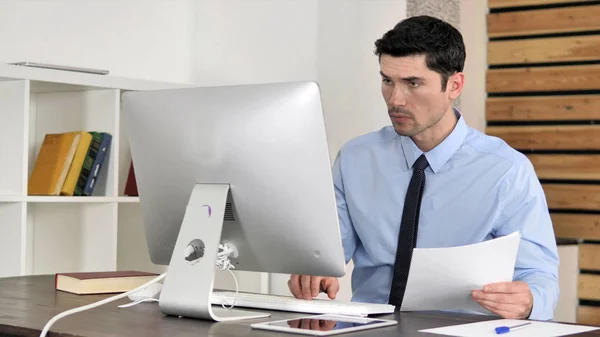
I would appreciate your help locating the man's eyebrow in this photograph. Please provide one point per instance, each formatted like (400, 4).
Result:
(413, 79)
(382, 74)
(406, 79)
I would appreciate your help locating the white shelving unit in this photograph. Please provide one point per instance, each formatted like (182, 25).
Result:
(43, 235)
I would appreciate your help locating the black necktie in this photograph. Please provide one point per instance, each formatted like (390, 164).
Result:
(407, 239)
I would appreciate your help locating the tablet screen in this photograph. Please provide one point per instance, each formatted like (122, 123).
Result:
(323, 323)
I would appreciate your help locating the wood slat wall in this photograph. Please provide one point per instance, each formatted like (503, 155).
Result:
(543, 87)
(589, 257)
(517, 3)
(576, 226)
(588, 315)
(566, 166)
(544, 21)
(549, 108)
(569, 137)
(561, 49)
(572, 196)
(564, 78)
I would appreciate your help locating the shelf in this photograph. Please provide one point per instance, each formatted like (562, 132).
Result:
(11, 198)
(126, 199)
(69, 199)
(65, 199)
(49, 80)
(50, 234)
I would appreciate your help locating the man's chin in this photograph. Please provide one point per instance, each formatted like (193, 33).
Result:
(404, 131)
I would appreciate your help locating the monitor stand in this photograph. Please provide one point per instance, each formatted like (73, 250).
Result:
(189, 282)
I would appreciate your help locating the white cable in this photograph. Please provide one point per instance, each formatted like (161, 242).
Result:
(223, 263)
(141, 300)
(97, 304)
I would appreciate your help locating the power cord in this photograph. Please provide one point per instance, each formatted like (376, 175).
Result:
(223, 262)
(226, 251)
(97, 304)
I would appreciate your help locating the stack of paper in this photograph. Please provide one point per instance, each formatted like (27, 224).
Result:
(444, 278)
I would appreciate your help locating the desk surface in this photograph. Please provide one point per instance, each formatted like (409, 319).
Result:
(27, 303)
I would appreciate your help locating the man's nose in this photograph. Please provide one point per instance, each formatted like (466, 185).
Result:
(398, 98)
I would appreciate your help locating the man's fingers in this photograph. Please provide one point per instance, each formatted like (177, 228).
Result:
(516, 308)
(305, 281)
(501, 297)
(295, 286)
(331, 286)
(502, 313)
(511, 311)
(315, 286)
(506, 287)
(307, 287)
(305, 325)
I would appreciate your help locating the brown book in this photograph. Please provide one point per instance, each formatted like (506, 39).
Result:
(101, 282)
(53, 163)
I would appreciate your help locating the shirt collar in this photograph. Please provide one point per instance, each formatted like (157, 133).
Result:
(440, 154)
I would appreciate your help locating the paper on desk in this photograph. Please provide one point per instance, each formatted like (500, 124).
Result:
(444, 278)
(486, 328)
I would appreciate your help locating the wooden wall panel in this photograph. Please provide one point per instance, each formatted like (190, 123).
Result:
(558, 49)
(516, 3)
(543, 108)
(566, 166)
(566, 137)
(572, 196)
(588, 315)
(589, 287)
(586, 77)
(576, 226)
(589, 257)
(544, 21)
(544, 85)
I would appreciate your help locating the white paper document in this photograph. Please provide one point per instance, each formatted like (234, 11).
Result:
(444, 278)
(487, 328)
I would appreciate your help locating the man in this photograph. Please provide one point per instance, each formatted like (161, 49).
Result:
(432, 180)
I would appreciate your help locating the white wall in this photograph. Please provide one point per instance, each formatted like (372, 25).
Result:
(256, 41)
(348, 68)
(330, 41)
(473, 26)
(148, 39)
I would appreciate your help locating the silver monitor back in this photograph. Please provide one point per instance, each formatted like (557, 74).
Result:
(268, 142)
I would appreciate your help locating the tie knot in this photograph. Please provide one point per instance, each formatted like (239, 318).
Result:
(421, 163)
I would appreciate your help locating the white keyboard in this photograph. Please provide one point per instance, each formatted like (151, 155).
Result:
(288, 303)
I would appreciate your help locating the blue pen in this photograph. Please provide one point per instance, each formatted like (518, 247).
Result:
(506, 329)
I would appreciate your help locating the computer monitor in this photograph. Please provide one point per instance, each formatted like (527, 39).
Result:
(247, 165)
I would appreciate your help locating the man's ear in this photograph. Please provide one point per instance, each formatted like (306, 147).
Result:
(455, 85)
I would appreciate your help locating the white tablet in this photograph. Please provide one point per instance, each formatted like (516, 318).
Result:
(324, 325)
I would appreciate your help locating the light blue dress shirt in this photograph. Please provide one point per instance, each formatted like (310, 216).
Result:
(477, 188)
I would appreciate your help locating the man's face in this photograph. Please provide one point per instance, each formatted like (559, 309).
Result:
(413, 93)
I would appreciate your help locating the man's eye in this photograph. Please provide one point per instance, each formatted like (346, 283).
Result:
(413, 84)
(387, 81)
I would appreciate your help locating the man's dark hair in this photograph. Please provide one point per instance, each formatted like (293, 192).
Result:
(439, 41)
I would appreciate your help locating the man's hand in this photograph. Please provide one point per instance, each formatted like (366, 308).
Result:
(312, 324)
(512, 300)
(308, 287)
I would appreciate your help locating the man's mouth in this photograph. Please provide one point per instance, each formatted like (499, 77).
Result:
(401, 118)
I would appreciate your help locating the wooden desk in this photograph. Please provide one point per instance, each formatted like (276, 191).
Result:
(27, 303)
